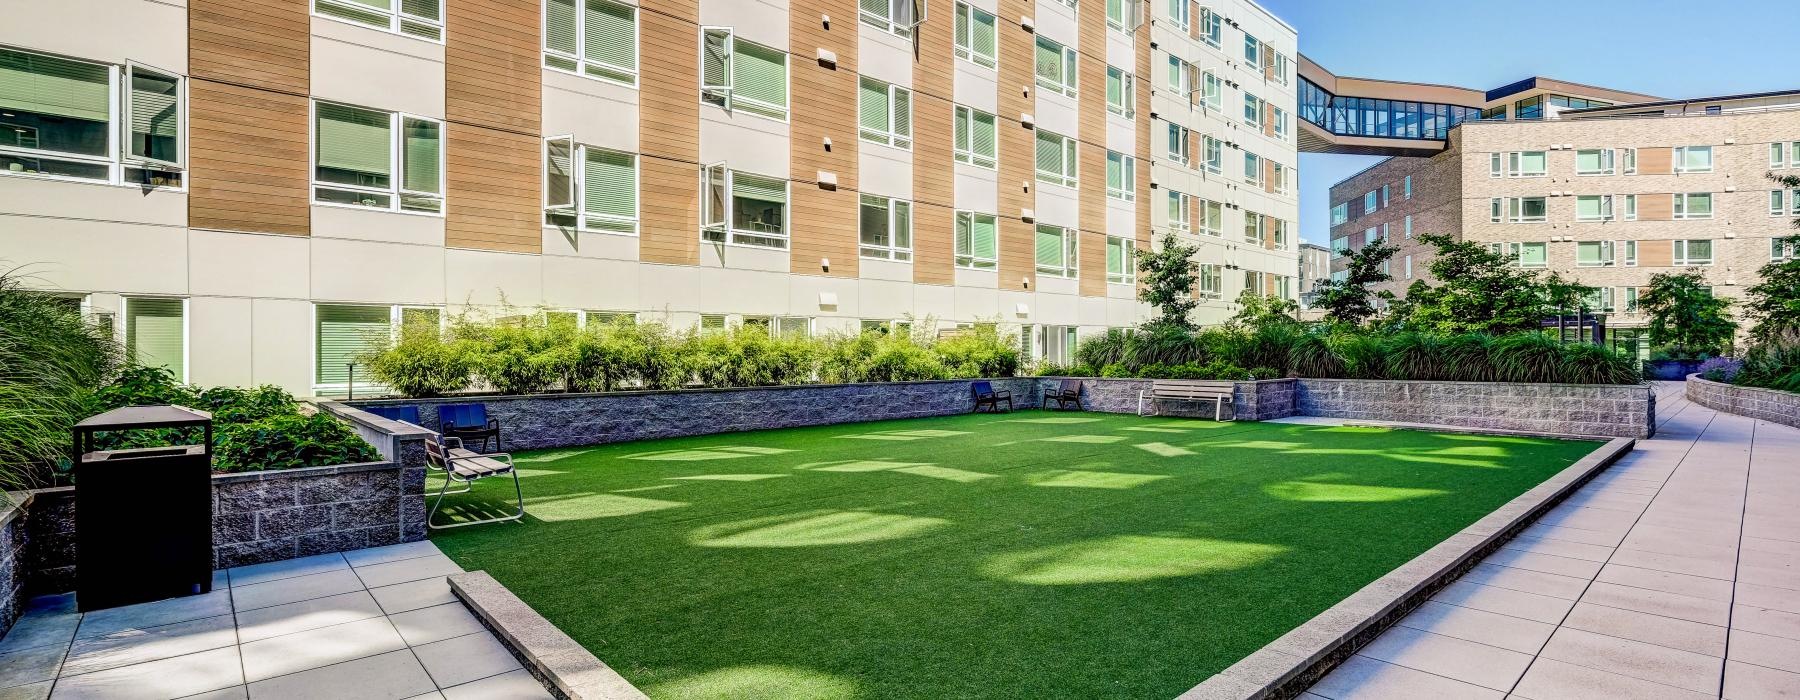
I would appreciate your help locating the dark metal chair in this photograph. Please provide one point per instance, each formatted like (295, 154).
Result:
(465, 467)
(467, 422)
(404, 414)
(1065, 393)
(985, 395)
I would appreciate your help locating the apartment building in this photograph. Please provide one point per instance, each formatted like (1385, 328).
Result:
(1605, 195)
(248, 191)
(1315, 267)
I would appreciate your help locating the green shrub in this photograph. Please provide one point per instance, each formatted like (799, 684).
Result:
(1468, 357)
(1362, 355)
(1115, 371)
(1414, 355)
(1772, 365)
(520, 356)
(421, 365)
(1266, 373)
(51, 359)
(979, 352)
(1312, 356)
(1529, 357)
(898, 359)
(1103, 350)
(289, 441)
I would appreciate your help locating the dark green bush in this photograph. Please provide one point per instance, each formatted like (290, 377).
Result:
(979, 352)
(421, 365)
(1772, 365)
(1266, 373)
(289, 441)
(521, 357)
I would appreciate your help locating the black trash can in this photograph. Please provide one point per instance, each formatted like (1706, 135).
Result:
(143, 517)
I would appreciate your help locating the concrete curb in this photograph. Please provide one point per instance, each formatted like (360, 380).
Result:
(1289, 665)
(567, 669)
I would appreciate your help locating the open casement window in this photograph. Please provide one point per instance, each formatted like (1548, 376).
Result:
(976, 36)
(418, 18)
(1213, 159)
(1212, 27)
(594, 38)
(1120, 93)
(152, 107)
(742, 75)
(1121, 260)
(742, 208)
(1055, 66)
(598, 185)
(560, 179)
(716, 79)
(382, 160)
(884, 113)
(1125, 15)
(1055, 249)
(886, 227)
(977, 240)
(1212, 91)
(715, 201)
(899, 17)
(57, 121)
(976, 139)
(1121, 176)
(1055, 158)
(156, 334)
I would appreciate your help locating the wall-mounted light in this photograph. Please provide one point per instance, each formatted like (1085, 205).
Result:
(827, 180)
(827, 57)
(1027, 215)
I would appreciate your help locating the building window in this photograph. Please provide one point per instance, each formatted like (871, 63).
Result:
(977, 240)
(1253, 282)
(57, 121)
(896, 16)
(1598, 299)
(1529, 108)
(1179, 204)
(1631, 253)
(975, 35)
(156, 333)
(1252, 50)
(599, 185)
(1779, 249)
(1340, 213)
(1280, 173)
(1496, 113)
(1408, 191)
(885, 113)
(1055, 66)
(1631, 207)
(1776, 207)
(1121, 176)
(712, 322)
(1524, 254)
(1598, 161)
(1055, 251)
(1178, 143)
(1178, 14)
(1212, 27)
(1253, 109)
(1527, 164)
(1212, 217)
(743, 208)
(975, 138)
(1120, 93)
(886, 228)
(742, 75)
(1279, 117)
(383, 160)
(1118, 15)
(1630, 165)
(1693, 252)
(1371, 202)
(1212, 281)
(1252, 169)
(1384, 196)
(1408, 221)
(1693, 205)
(1121, 260)
(1596, 207)
(343, 333)
(1517, 210)
(419, 18)
(1594, 254)
(1212, 91)
(598, 41)
(1055, 158)
(1214, 154)
(1631, 299)
(1278, 233)
(1254, 230)
(1693, 159)
(1784, 155)
(1793, 197)
(1408, 267)
(1181, 78)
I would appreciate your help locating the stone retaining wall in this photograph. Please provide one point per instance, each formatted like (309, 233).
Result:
(12, 560)
(1771, 405)
(1565, 409)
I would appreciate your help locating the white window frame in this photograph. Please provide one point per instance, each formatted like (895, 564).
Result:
(396, 159)
(1128, 176)
(1252, 164)
(1515, 164)
(967, 260)
(1793, 202)
(1371, 202)
(1780, 250)
(1631, 213)
(721, 226)
(891, 250)
(1209, 279)
(1679, 252)
(1631, 299)
(1178, 14)
(968, 52)
(1630, 165)
(1212, 155)
(397, 17)
(1069, 252)
(1607, 257)
(1253, 48)
(989, 161)
(1607, 162)
(396, 323)
(1680, 159)
(727, 93)
(1212, 217)
(894, 22)
(1212, 91)
(1408, 194)
(892, 137)
(1071, 158)
(1253, 110)
(1129, 274)
(1778, 155)
(1183, 204)
(580, 56)
(1279, 116)
(1178, 142)
(576, 207)
(1630, 254)
(1068, 66)
(1606, 207)
(1408, 221)
(1212, 27)
(1181, 76)
(1340, 213)
(187, 322)
(1681, 204)
(1520, 247)
(118, 161)
(1127, 92)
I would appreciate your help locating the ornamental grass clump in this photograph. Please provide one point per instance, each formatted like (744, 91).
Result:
(51, 359)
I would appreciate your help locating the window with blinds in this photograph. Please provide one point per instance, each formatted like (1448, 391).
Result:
(1121, 260)
(1055, 248)
(156, 334)
(977, 240)
(1121, 93)
(896, 16)
(56, 120)
(886, 228)
(742, 75)
(976, 36)
(884, 113)
(416, 18)
(1121, 176)
(152, 104)
(382, 160)
(589, 188)
(743, 208)
(343, 334)
(1055, 158)
(592, 38)
(976, 142)
(1055, 66)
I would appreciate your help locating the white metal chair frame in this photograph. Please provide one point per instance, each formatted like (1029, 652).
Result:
(462, 466)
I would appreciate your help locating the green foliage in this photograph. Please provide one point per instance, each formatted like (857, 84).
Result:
(422, 364)
(748, 356)
(1480, 291)
(1773, 365)
(1260, 311)
(1349, 300)
(289, 441)
(1169, 275)
(520, 355)
(979, 352)
(1685, 315)
(50, 359)
(1772, 305)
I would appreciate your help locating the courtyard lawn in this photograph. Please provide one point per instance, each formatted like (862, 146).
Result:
(1026, 555)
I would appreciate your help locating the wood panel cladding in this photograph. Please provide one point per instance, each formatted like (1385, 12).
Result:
(1656, 253)
(1146, 198)
(669, 133)
(1018, 169)
(1656, 207)
(247, 159)
(934, 166)
(1091, 250)
(1268, 175)
(1656, 161)
(492, 189)
(822, 100)
(264, 44)
(492, 72)
(1090, 111)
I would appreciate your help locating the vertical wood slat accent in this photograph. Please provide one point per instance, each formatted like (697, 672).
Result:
(669, 132)
(493, 189)
(1656, 253)
(266, 44)
(1018, 258)
(1656, 207)
(1268, 175)
(1268, 231)
(934, 166)
(493, 144)
(1091, 250)
(1145, 198)
(1656, 161)
(822, 101)
(247, 160)
(1090, 110)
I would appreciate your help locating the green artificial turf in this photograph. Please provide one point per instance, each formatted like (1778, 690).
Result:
(1027, 555)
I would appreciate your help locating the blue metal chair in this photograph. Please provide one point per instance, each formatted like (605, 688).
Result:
(985, 395)
(405, 414)
(468, 421)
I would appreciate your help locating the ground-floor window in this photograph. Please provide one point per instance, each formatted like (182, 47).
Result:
(343, 335)
(156, 333)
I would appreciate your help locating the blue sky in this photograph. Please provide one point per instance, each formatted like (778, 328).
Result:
(1671, 49)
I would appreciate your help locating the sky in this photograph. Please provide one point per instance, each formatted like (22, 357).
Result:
(1658, 47)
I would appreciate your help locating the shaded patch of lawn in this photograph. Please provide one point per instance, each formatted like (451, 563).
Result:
(975, 556)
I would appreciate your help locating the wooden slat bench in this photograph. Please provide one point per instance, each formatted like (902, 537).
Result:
(1219, 393)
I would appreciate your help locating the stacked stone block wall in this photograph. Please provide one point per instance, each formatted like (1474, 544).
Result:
(13, 539)
(1565, 409)
(1766, 404)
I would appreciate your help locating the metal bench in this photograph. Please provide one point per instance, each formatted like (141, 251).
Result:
(1188, 390)
(465, 466)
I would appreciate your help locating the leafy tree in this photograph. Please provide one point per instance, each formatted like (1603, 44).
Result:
(1261, 311)
(1169, 274)
(1481, 291)
(1684, 314)
(1774, 303)
(1349, 300)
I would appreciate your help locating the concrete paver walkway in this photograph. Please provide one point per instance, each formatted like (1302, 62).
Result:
(1674, 574)
(374, 623)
